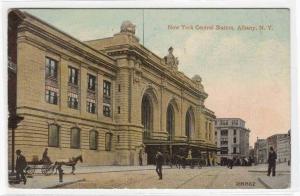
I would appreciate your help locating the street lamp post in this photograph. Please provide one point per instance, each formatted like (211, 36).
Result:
(13, 121)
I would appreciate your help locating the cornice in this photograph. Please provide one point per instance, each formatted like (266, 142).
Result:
(128, 50)
(26, 26)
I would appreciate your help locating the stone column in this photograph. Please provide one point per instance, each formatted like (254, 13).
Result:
(64, 77)
(83, 88)
(100, 95)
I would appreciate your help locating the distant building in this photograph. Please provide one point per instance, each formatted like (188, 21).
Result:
(273, 140)
(251, 152)
(232, 137)
(261, 151)
(284, 148)
(281, 143)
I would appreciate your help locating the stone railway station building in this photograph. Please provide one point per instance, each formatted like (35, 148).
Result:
(107, 99)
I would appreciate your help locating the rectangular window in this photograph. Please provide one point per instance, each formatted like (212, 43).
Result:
(119, 110)
(91, 106)
(106, 110)
(51, 68)
(93, 140)
(119, 87)
(108, 139)
(73, 75)
(224, 150)
(234, 140)
(234, 132)
(51, 97)
(106, 88)
(73, 101)
(234, 150)
(53, 136)
(224, 132)
(75, 138)
(91, 82)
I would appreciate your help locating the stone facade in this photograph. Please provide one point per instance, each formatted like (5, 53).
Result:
(261, 151)
(133, 73)
(284, 149)
(232, 137)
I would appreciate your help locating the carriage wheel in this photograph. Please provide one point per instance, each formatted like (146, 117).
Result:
(191, 164)
(199, 164)
(45, 169)
(50, 170)
(30, 170)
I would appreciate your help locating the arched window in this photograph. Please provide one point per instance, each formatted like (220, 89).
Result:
(170, 122)
(75, 137)
(108, 141)
(147, 115)
(53, 135)
(188, 125)
(93, 140)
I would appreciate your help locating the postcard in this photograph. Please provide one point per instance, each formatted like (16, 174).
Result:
(148, 98)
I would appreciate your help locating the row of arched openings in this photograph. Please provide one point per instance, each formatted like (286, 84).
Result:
(147, 119)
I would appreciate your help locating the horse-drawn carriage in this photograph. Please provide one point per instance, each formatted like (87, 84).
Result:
(182, 161)
(47, 167)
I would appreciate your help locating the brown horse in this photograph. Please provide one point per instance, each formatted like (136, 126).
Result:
(71, 162)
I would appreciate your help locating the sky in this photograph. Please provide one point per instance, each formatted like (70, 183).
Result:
(246, 73)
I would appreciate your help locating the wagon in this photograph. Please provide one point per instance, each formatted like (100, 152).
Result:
(46, 168)
(192, 162)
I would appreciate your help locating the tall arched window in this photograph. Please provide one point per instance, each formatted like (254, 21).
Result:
(170, 122)
(147, 115)
(53, 135)
(75, 137)
(108, 141)
(93, 140)
(188, 125)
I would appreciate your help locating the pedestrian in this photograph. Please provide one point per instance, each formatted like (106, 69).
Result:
(272, 162)
(45, 158)
(141, 157)
(20, 166)
(159, 162)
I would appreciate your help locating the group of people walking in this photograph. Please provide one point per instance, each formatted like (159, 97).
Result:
(159, 158)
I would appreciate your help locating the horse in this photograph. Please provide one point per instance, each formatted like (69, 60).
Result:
(179, 161)
(71, 162)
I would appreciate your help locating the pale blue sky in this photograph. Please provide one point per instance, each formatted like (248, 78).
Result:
(245, 73)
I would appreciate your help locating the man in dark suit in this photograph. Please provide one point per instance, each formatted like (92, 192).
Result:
(272, 161)
(159, 162)
(20, 166)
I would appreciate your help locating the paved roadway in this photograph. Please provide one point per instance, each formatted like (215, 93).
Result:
(205, 178)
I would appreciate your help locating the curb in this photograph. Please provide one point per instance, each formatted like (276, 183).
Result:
(64, 184)
(263, 183)
(115, 171)
(266, 171)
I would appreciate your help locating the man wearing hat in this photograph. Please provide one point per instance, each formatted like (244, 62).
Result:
(20, 166)
(159, 162)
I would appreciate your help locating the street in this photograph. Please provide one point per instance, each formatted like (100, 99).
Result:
(145, 177)
(211, 178)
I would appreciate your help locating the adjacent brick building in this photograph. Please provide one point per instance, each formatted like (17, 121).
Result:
(105, 99)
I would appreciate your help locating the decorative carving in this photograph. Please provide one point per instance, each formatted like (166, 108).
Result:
(128, 27)
(171, 60)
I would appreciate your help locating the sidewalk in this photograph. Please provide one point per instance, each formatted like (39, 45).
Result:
(44, 182)
(282, 179)
(40, 181)
(276, 182)
(282, 168)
